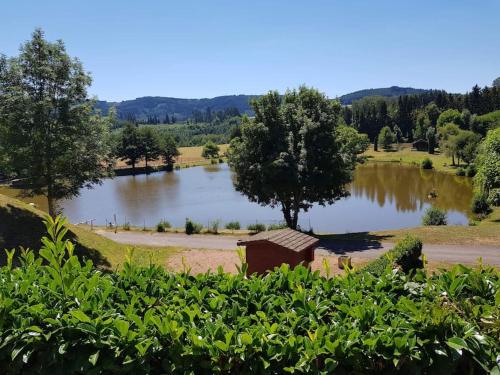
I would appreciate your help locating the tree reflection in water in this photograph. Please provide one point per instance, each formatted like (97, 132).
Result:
(409, 187)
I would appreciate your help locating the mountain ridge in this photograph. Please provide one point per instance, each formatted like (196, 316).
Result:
(182, 108)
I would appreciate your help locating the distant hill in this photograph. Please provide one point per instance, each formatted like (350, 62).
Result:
(393, 91)
(182, 109)
(159, 106)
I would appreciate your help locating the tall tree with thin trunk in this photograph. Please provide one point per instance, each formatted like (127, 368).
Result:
(54, 140)
(168, 150)
(129, 145)
(294, 153)
(149, 144)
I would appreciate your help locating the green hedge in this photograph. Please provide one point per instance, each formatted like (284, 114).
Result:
(406, 255)
(62, 316)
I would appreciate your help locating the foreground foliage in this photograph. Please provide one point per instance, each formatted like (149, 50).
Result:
(58, 315)
(405, 255)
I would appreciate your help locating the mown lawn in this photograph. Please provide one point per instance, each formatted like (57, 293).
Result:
(189, 157)
(486, 232)
(404, 154)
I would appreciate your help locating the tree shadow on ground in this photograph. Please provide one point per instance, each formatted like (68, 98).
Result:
(352, 242)
(23, 228)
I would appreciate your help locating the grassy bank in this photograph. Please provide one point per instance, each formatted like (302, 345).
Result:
(21, 225)
(189, 157)
(405, 155)
(486, 232)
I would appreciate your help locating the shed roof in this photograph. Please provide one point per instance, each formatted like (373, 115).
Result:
(288, 238)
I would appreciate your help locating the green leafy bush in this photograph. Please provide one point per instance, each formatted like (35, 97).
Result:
(162, 226)
(406, 255)
(434, 216)
(214, 226)
(192, 228)
(494, 197)
(471, 170)
(126, 226)
(480, 205)
(460, 172)
(233, 225)
(277, 226)
(426, 163)
(63, 316)
(256, 228)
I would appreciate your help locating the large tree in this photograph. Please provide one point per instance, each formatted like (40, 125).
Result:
(149, 144)
(386, 138)
(53, 138)
(293, 153)
(210, 150)
(168, 150)
(488, 163)
(129, 145)
(369, 115)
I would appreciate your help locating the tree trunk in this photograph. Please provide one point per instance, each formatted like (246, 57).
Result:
(291, 216)
(52, 205)
(452, 159)
(147, 171)
(133, 168)
(375, 145)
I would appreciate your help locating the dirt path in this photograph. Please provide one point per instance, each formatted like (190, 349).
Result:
(200, 261)
(357, 249)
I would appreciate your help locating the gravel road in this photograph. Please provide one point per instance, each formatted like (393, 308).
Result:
(441, 253)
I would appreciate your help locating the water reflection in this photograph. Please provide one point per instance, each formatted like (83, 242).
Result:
(384, 196)
(409, 187)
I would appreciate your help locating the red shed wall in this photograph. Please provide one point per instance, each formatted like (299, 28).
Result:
(264, 256)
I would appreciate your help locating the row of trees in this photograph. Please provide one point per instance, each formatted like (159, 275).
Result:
(414, 114)
(210, 116)
(155, 120)
(133, 144)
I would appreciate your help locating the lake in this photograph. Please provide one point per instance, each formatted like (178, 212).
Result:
(383, 196)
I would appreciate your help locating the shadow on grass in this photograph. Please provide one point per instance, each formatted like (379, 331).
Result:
(352, 242)
(23, 228)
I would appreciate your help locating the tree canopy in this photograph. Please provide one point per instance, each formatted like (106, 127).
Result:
(149, 144)
(488, 162)
(168, 150)
(386, 138)
(293, 153)
(210, 150)
(129, 145)
(449, 116)
(50, 133)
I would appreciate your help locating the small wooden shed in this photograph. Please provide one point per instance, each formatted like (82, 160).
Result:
(267, 250)
(420, 145)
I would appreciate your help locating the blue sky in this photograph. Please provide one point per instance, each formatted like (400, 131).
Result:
(206, 48)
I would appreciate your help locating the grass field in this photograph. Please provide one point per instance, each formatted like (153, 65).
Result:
(404, 154)
(486, 232)
(21, 225)
(189, 157)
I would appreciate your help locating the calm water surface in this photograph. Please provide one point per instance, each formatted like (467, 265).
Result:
(383, 196)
